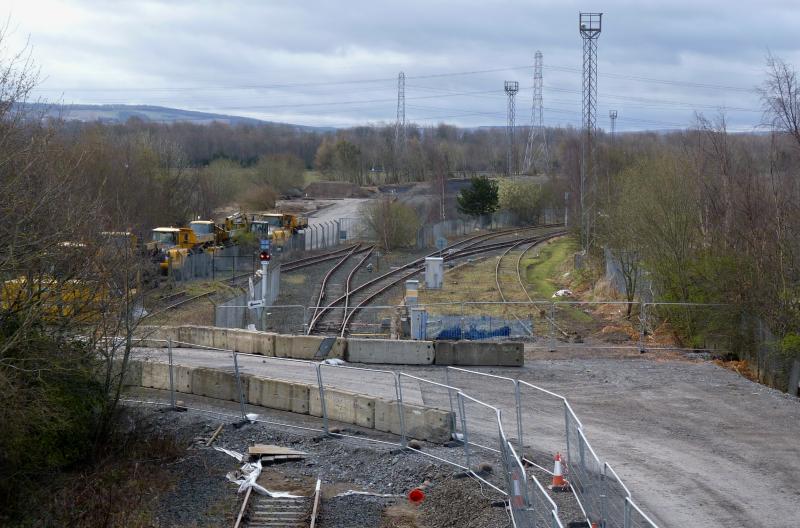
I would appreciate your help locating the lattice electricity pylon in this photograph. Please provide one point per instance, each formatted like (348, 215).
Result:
(511, 88)
(612, 114)
(537, 155)
(590, 27)
(400, 124)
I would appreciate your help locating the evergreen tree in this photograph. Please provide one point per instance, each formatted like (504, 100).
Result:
(480, 198)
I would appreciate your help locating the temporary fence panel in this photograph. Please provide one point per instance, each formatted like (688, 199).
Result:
(235, 313)
(415, 407)
(505, 396)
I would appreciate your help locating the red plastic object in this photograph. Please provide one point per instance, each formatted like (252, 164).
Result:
(416, 495)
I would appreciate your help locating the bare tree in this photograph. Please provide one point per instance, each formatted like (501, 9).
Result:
(780, 95)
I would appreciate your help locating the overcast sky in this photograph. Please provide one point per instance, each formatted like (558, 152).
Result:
(335, 63)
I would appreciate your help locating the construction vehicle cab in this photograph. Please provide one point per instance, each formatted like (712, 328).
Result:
(169, 246)
(279, 226)
(236, 224)
(207, 233)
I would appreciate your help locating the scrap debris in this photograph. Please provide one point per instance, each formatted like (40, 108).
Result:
(271, 454)
(214, 436)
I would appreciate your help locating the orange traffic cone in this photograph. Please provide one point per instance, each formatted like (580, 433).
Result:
(559, 483)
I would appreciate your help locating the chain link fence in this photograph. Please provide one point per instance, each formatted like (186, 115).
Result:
(220, 264)
(427, 235)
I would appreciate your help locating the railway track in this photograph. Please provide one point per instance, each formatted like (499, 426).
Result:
(355, 299)
(174, 300)
(516, 280)
(259, 511)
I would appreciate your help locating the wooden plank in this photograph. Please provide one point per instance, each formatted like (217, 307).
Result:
(316, 504)
(244, 506)
(214, 436)
(264, 449)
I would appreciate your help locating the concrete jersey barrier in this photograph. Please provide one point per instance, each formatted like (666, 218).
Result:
(354, 350)
(423, 423)
(390, 351)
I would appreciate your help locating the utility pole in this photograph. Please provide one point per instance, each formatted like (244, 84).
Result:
(537, 157)
(400, 124)
(612, 114)
(511, 88)
(590, 25)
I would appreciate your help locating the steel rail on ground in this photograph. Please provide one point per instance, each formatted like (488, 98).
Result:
(324, 283)
(467, 251)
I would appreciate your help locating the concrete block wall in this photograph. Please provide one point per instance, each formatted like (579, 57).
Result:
(279, 394)
(423, 423)
(434, 425)
(354, 350)
(478, 353)
(390, 351)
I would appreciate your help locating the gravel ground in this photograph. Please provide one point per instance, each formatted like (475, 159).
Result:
(203, 497)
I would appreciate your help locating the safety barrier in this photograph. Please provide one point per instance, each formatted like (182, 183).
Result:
(354, 350)
(602, 495)
(339, 393)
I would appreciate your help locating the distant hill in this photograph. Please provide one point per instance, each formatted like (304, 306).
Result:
(118, 113)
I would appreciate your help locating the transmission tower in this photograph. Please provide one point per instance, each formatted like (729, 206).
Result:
(511, 88)
(612, 114)
(400, 124)
(590, 26)
(537, 157)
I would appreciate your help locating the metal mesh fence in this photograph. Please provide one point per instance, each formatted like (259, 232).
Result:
(236, 314)
(220, 264)
(428, 235)
(407, 405)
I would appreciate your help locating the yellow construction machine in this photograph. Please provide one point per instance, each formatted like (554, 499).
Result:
(170, 246)
(278, 227)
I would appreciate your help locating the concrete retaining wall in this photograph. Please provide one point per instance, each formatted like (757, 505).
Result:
(476, 353)
(390, 351)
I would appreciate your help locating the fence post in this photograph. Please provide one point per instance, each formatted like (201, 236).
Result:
(627, 520)
(643, 326)
(518, 401)
(604, 498)
(171, 381)
(399, 390)
(322, 400)
(213, 266)
(461, 323)
(238, 383)
(566, 424)
(553, 327)
(582, 452)
(449, 390)
(460, 398)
